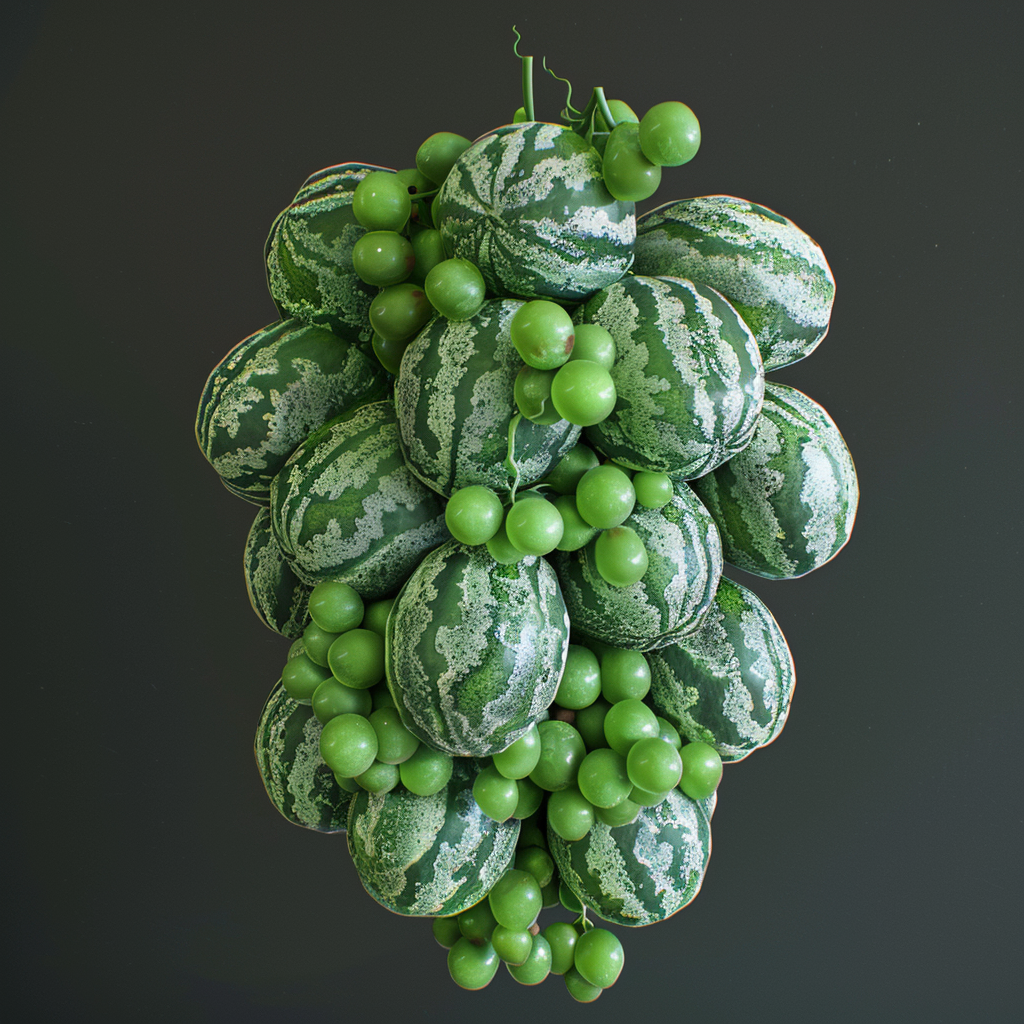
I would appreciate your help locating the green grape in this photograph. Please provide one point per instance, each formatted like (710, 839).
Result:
(383, 258)
(422, 216)
(501, 548)
(620, 111)
(576, 532)
(389, 353)
(561, 751)
(530, 834)
(397, 313)
(669, 134)
(428, 249)
(646, 798)
(567, 474)
(590, 723)
(296, 649)
(605, 496)
(515, 899)
(599, 957)
(628, 174)
(301, 676)
(348, 744)
(702, 770)
(414, 182)
(530, 797)
(532, 395)
(473, 514)
(667, 731)
(520, 758)
(395, 744)
(570, 814)
(472, 967)
(583, 392)
(455, 289)
(542, 333)
(380, 696)
(357, 658)
(579, 988)
(620, 556)
(379, 777)
(348, 785)
(427, 772)
(549, 894)
(512, 945)
(627, 722)
(376, 616)
(381, 202)
(580, 684)
(478, 922)
(654, 765)
(569, 899)
(603, 778)
(446, 931)
(561, 937)
(437, 155)
(495, 795)
(653, 490)
(537, 966)
(624, 675)
(332, 698)
(533, 526)
(538, 862)
(624, 813)
(335, 607)
(317, 642)
(595, 344)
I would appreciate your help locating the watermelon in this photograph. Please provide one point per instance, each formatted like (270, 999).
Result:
(454, 397)
(298, 782)
(641, 873)
(345, 507)
(730, 683)
(786, 504)
(772, 272)
(309, 256)
(427, 856)
(269, 392)
(670, 599)
(528, 205)
(687, 373)
(474, 649)
(277, 595)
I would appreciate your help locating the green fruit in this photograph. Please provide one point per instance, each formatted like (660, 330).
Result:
(276, 594)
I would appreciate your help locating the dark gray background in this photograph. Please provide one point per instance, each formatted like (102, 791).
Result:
(866, 866)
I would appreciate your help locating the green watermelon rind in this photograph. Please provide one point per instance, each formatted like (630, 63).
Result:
(278, 597)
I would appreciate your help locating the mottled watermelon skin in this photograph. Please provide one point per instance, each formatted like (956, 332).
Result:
(309, 255)
(272, 390)
(687, 373)
(774, 274)
(528, 205)
(346, 507)
(279, 598)
(642, 873)
(454, 396)
(730, 683)
(474, 650)
(671, 598)
(298, 782)
(426, 856)
(785, 506)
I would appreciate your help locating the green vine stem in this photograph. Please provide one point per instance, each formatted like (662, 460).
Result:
(527, 76)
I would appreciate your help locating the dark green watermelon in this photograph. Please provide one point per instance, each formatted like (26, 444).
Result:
(277, 595)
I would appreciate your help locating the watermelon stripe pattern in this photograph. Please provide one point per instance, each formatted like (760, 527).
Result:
(269, 392)
(687, 373)
(670, 600)
(474, 650)
(528, 205)
(279, 598)
(454, 397)
(346, 507)
(772, 272)
(729, 684)
(785, 506)
(429, 855)
(298, 782)
(642, 873)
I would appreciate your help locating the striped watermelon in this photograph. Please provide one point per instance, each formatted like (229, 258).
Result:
(641, 873)
(672, 597)
(528, 205)
(454, 397)
(426, 856)
(474, 650)
(687, 373)
(730, 683)
(298, 782)
(346, 507)
(771, 271)
(277, 595)
(309, 255)
(786, 504)
(269, 392)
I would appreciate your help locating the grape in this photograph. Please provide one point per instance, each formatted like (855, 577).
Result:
(332, 698)
(620, 110)
(538, 862)
(427, 772)
(437, 155)
(534, 526)
(379, 777)
(413, 181)
(702, 770)
(570, 814)
(549, 894)
(627, 722)
(624, 675)
(520, 758)
(567, 474)
(654, 765)
(428, 249)
(512, 945)
(624, 813)
(599, 957)
(645, 798)
(473, 514)
(382, 258)
(530, 797)
(389, 353)
(605, 496)
(542, 333)
(357, 658)
(579, 988)
(501, 548)
(667, 732)
(620, 556)
(537, 965)
(335, 607)
(561, 751)
(583, 392)
(478, 922)
(380, 695)
(495, 795)
(446, 931)
(628, 174)
(296, 649)
(595, 344)
(532, 394)
(301, 676)
(580, 684)
(348, 744)
(515, 899)
(569, 899)
(472, 967)
(669, 134)
(397, 313)
(561, 937)
(395, 744)
(653, 490)
(603, 778)
(590, 723)
(576, 532)
(530, 834)
(316, 642)
(376, 615)
(455, 289)
(381, 202)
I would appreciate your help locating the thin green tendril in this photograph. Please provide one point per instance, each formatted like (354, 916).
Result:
(569, 110)
(515, 45)
(510, 460)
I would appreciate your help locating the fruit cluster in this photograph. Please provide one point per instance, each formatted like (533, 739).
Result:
(503, 436)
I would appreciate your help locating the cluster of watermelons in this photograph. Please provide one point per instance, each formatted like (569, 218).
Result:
(497, 730)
